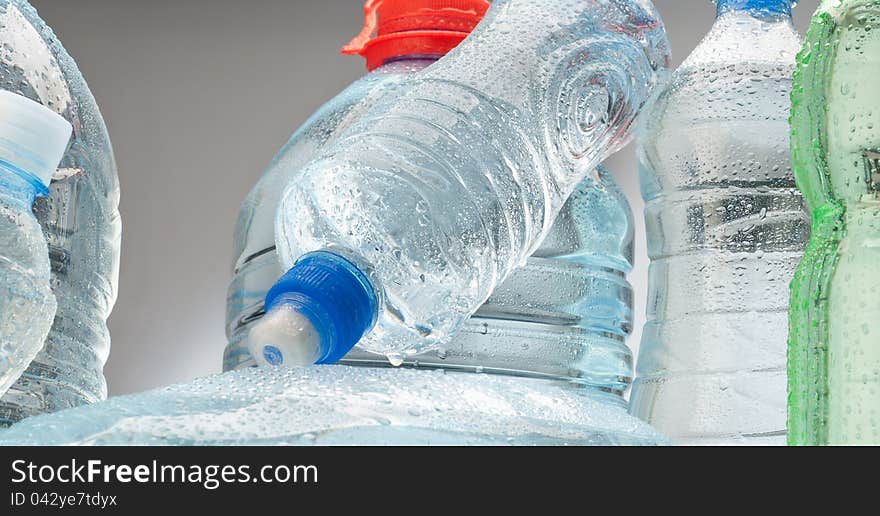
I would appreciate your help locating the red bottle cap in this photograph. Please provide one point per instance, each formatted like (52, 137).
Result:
(414, 27)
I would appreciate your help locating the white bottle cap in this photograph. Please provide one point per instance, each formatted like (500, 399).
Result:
(286, 338)
(33, 138)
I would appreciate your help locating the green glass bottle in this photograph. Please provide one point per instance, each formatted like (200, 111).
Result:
(834, 344)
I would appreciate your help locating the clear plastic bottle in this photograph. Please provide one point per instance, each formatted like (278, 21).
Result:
(428, 27)
(403, 227)
(726, 228)
(32, 141)
(834, 347)
(80, 219)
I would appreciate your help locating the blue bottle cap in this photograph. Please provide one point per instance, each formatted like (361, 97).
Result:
(333, 295)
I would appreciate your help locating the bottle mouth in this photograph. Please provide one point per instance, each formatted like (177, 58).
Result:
(287, 337)
(432, 44)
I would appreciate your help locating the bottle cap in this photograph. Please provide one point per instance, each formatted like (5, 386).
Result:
(285, 337)
(33, 138)
(316, 313)
(394, 28)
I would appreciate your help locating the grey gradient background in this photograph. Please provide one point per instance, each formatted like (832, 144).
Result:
(198, 96)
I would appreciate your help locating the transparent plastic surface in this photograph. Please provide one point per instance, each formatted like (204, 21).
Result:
(341, 405)
(80, 220)
(565, 314)
(441, 192)
(834, 358)
(726, 228)
(27, 304)
(569, 309)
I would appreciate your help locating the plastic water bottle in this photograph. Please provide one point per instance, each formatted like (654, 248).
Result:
(544, 361)
(32, 141)
(430, 28)
(404, 226)
(834, 358)
(726, 229)
(79, 217)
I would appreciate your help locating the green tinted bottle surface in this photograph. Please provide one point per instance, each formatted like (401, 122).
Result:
(834, 352)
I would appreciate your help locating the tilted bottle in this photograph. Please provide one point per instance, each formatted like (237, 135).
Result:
(726, 228)
(571, 299)
(32, 141)
(834, 347)
(80, 219)
(399, 231)
(409, 36)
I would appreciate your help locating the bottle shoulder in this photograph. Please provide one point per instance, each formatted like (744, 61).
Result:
(742, 68)
(737, 38)
(849, 100)
(722, 91)
(714, 106)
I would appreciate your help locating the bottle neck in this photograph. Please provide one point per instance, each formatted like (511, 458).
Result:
(17, 187)
(407, 64)
(756, 8)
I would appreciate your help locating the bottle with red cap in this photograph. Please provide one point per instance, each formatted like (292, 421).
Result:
(399, 38)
